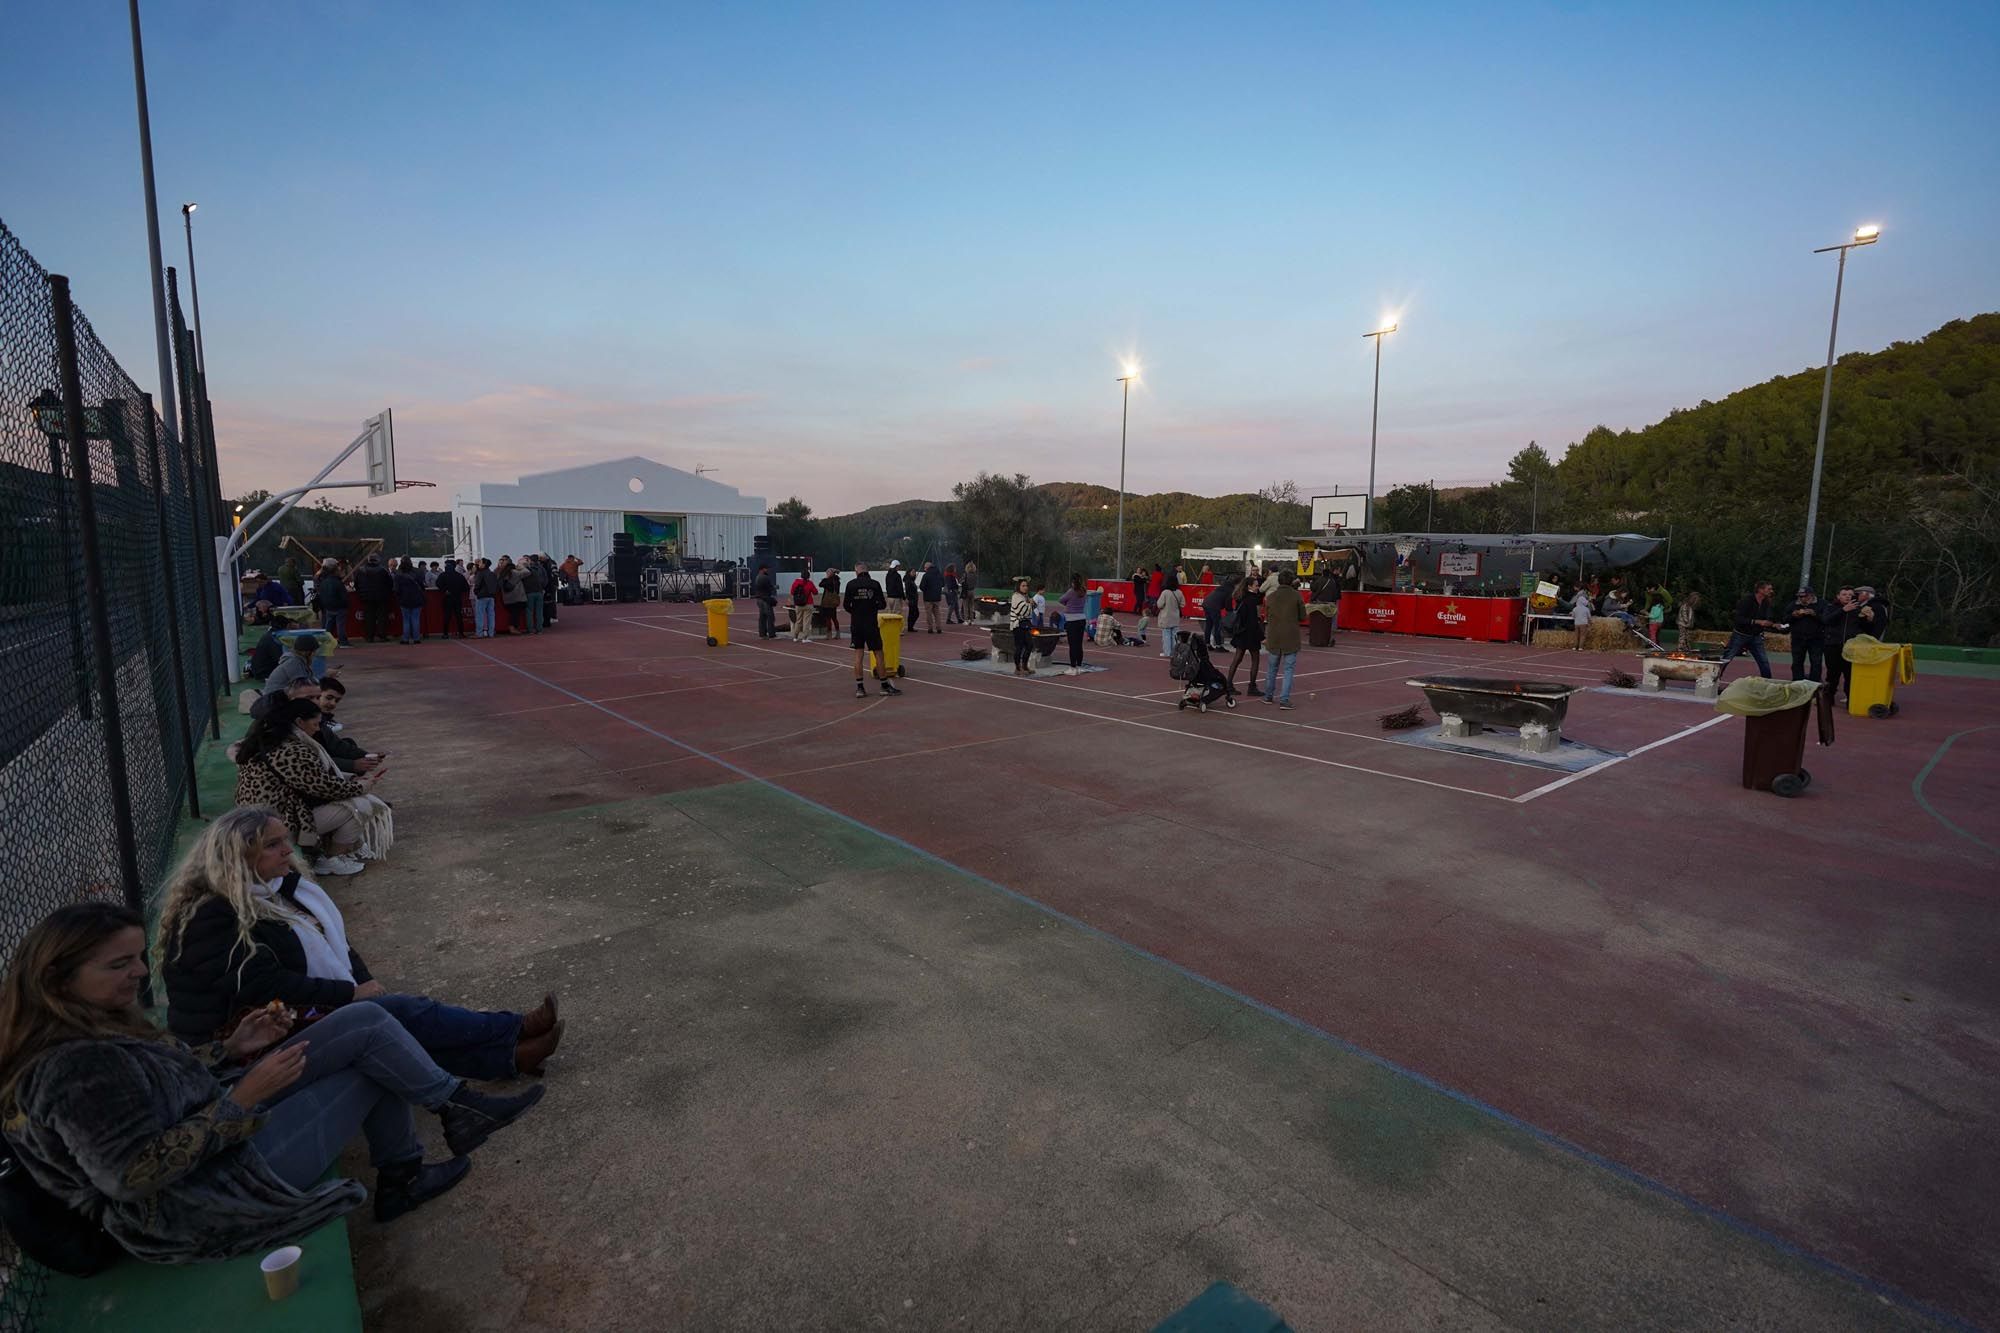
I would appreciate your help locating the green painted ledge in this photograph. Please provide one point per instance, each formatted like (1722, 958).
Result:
(228, 1297)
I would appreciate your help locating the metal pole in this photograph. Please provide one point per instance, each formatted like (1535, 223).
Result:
(1825, 398)
(1430, 503)
(152, 225)
(194, 290)
(188, 724)
(1374, 420)
(95, 593)
(1667, 565)
(203, 553)
(1534, 504)
(1826, 572)
(1124, 418)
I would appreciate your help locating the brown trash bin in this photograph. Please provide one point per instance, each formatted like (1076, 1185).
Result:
(1774, 746)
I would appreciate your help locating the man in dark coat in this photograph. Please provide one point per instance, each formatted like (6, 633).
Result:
(931, 587)
(330, 591)
(1212, 607)
(1753, 617)
(864, 602)
(1806, 620)
(454, 586)
(376, 587)
(764, 591)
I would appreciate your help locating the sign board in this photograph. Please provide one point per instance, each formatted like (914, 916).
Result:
(590, 529)
(1459, 564)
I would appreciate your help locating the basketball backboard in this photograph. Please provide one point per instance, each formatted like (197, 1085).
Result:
(381, 433)
(1331, 512)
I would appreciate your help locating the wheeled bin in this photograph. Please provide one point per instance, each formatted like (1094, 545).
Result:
(1775, 715)
(1874, 670)
(892, 643)
(718, 621)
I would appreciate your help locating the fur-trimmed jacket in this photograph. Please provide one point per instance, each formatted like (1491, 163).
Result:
(141, 1136)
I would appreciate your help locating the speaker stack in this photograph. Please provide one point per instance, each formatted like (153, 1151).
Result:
(761, 556)
(624, 567)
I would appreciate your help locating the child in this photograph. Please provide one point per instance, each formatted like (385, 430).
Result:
(1656, 619)
(1580, 615)
(1147, 612)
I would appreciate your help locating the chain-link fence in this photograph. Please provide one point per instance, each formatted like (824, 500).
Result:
(108, 645)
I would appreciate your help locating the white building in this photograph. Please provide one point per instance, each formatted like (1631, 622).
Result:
(576, 510)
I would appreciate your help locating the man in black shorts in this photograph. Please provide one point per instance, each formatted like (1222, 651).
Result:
(864, 601)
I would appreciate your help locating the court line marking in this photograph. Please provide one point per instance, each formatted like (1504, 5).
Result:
(1917, 786)
(1560, 783)
(1547, 1137)
(1169, 731)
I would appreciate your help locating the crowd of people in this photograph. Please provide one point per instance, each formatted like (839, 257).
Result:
(532, 589)
(1818, 627)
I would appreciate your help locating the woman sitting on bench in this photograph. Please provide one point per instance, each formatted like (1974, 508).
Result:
(242, 926)
(185, 1155)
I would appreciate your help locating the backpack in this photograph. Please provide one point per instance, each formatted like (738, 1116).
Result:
(1182, 666)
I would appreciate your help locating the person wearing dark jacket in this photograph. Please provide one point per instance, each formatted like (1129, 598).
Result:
(537, 590)
(1213, 607)
(931, 587)
(410, 597)
(1806, 621)
(829, 603)
(1246, 634)
(452, 587)
(376, 587)
(764, 591)
(1870, 615)
(864, 601)
(1746, 631)
(892, 588)
(513, 595)
(330, 591)
(264, 658)
(1833, 637)
(242, 926)
(485, 591)
(551, 589)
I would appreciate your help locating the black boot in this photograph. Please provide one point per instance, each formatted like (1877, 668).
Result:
(470, 1117)
(406, 1186)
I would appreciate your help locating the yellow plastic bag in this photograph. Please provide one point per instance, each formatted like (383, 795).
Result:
(1867, 650)
(1754, 696)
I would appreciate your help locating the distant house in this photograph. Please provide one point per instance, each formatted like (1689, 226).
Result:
(575, 511)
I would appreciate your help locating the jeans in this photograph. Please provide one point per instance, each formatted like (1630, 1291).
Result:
(335, 623)
(470, 1043)
(454, 617)
(1074, 629)
(413, 623)
(1754, 645)
(363, 1071)
(951, 606)
(1213, 619)
(1023, 646)
(482, 617)
(767, 618)
(1289, 661)
(535, 620)
(1167, 633)
(1808, 661)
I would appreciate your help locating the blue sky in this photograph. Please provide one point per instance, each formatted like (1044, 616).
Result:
(860, 252)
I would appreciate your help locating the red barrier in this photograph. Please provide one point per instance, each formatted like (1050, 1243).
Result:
(1492, 619)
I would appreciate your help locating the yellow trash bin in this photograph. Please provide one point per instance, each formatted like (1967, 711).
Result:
(718, 621)
(892, 644)
(1875, 669)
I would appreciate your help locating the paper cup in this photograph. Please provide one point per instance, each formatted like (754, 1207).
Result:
(281, 1272)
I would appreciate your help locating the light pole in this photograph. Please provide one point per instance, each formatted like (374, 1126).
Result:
(166, 399)
(1124, 418)
(194, 289)
(1374, 419)
(1862, 236)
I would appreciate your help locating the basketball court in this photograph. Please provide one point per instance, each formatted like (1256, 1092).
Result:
(1776, 1019)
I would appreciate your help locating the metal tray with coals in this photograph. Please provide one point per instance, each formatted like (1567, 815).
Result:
(1498, 703)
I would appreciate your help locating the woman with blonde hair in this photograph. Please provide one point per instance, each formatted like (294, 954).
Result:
(242, 927)
(184, 1155)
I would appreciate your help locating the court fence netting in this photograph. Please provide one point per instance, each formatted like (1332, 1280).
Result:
(110, 645)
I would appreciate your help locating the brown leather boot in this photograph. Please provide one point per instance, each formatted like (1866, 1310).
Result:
(530, 1052)
(537, 1021)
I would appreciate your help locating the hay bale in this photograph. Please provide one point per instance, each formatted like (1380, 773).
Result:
(1554, 638)
(1605, 635)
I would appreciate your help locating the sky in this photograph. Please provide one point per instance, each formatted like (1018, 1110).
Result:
(858, 253)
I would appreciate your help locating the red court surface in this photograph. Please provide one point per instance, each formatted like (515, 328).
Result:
(1785, 1010)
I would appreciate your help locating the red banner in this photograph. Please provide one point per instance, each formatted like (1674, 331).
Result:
(1493, 619)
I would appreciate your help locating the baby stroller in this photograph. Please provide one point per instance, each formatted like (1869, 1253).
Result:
(1204, 681)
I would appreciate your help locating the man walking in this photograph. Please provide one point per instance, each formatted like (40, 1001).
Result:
(375, 586)
(1212, 607)
(331, 592)
(1282, 609)
(864, 601)
(1746, 632)
(931, 588)
(452, 586)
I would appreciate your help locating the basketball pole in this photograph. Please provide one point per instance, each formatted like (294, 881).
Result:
(227, 549)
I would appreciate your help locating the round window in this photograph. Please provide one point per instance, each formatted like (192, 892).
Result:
(635, 485)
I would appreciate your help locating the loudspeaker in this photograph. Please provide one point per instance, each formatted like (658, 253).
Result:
(621, 541)
(625, 574)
